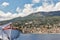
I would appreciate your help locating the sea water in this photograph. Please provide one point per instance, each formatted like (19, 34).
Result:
(39, 37)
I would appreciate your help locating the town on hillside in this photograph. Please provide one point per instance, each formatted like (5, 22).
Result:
(38, 29)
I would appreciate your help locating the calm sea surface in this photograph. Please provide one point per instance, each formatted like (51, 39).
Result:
(39, 37)
(36, 36)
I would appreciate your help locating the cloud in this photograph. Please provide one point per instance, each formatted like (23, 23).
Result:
(35, 1)
(57, 6)
(48, 8)
(7, 16)
(28, 9)
(5, 4)
(18, 9)
(45, 8)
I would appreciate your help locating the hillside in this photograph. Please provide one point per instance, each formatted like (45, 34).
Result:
(39, 17)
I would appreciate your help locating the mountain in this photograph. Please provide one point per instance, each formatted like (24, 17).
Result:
(41, 16)
(37, 15)
(51, 13)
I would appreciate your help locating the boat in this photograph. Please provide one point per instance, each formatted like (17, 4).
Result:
(10, 31)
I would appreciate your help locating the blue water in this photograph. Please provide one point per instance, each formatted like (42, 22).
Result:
(36, 36)
(39, 37)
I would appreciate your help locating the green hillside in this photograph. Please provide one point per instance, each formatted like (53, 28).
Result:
(39, 18)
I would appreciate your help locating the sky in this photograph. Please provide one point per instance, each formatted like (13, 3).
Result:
(10, 9)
